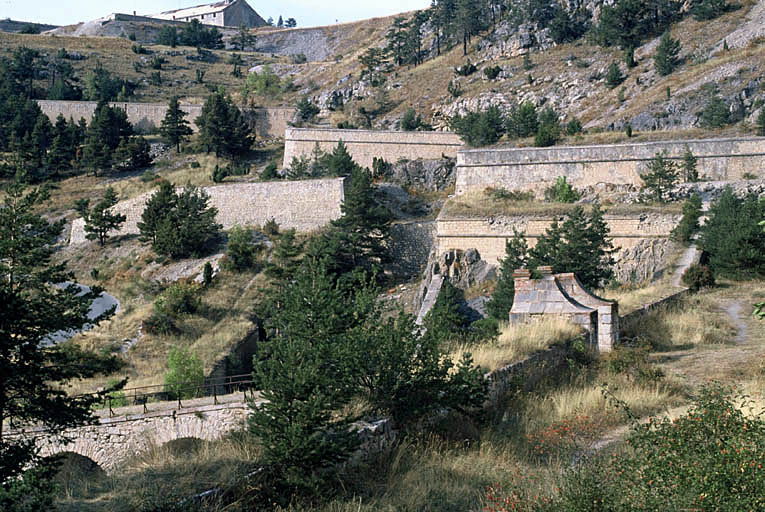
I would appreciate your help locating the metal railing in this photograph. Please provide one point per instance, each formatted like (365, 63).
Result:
(160, 393)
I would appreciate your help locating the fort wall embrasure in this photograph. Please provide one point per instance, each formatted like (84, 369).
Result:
(620, 164)
(268, 122)
(303, 205)
(364, 145)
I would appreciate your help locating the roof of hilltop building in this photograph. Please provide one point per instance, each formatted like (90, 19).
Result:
(195, 11)
(216, 13)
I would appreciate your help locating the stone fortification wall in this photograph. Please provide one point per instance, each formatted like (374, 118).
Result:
(303, 205)
(268, 122)
(620, 164)
(364, 145)
(642, 240)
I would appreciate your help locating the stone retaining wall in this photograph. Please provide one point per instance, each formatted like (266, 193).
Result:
(642, 240)
(145, 117)
(364, 145)
(584, 166)
(303, 205)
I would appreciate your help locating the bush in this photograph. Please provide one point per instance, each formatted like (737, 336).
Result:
(480, 128)
(492, 72)
(179, 298)
(466, 69)
(502, 194)
(708, 459)
(241, 253)
(270, 172)
(614, 76)
(689, 224)
(562, 191)
(160, 324)
(271, 227)
(185, 374)
(219, 174)
(411, 120)
(698, 277)
(573, 127)
(716, 113)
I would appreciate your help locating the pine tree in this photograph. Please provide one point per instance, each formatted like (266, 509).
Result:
(174, 128)
(614, 76)
(32, 390)
(305, 376)
(189, 229)
(690, 166)
(364, 226)
(660, 177)
(516, 256)
(222, 127)
(689, 224)
(667, 52)
(157, 207)
(99, 220)
(445, 320)
(397, 36)
(732, 237)
(523, 120)
(579, 245)
(243, 39)
(285, 256)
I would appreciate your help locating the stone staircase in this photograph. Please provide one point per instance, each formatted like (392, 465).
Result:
(434, 288)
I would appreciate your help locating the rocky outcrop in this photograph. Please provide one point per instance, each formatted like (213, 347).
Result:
(423, 174)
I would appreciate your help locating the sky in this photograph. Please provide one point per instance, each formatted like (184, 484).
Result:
(308, 13)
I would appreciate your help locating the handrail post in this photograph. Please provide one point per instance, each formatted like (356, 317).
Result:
(179, 398)
(215, 395)
(111, 412)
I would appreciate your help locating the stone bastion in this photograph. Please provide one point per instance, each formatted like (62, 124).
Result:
(620, 164)
(642, 240)
(304, 205)
(365, 145)
(146, 117)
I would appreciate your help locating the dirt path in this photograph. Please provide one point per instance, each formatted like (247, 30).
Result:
(734, 312)
(689, 257)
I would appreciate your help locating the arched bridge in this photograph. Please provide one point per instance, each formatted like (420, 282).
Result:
(151, 419)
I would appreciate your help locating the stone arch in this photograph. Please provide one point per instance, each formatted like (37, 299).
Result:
(74, 468)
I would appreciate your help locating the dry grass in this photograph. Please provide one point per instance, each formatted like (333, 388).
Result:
(161, 475)
(516, 342)
(630, 298)
(483, 204)
(691, 321)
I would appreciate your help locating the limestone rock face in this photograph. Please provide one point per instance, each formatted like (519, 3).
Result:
(424, 174)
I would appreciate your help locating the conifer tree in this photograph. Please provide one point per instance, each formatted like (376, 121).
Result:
(35, 371)
(516, 256)
(580, 245)
(690, 166)
(222, 128)
(174, 128)
(523, 120)
(689, 224)
(189, 229)
(660, 177)
(761, 122)
(99, 220)
(732, 237)
(157, 207)
(614, 76)
(666, 59)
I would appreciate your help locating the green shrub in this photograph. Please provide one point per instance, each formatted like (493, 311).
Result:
(708, 459)
(492, 72)
(195, 165)
(716, 113)
(207, 274)
(270, 172)
(614, 76)
(179, 298)
(689, 224)
(480, 128)
(562, 191)
(466, 69)
(502, 194)
(697, 277)
(185, 374)
(573, 127)
(271, 227)
(160, 324)
(241, 253)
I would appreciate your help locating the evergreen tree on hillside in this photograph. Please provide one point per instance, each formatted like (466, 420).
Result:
(445, 319)
(99, 220)
(660, 177)
(516, 256)
(666, 59)
(397, 39)
(222, 127)
(703, 10)
(732, 237)
(523, 120)
(189, 229)
(468, 20)
(690, 166)
(174, 128)
(580, 245)
(157, 207)
(35, 373)
(689, 224)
